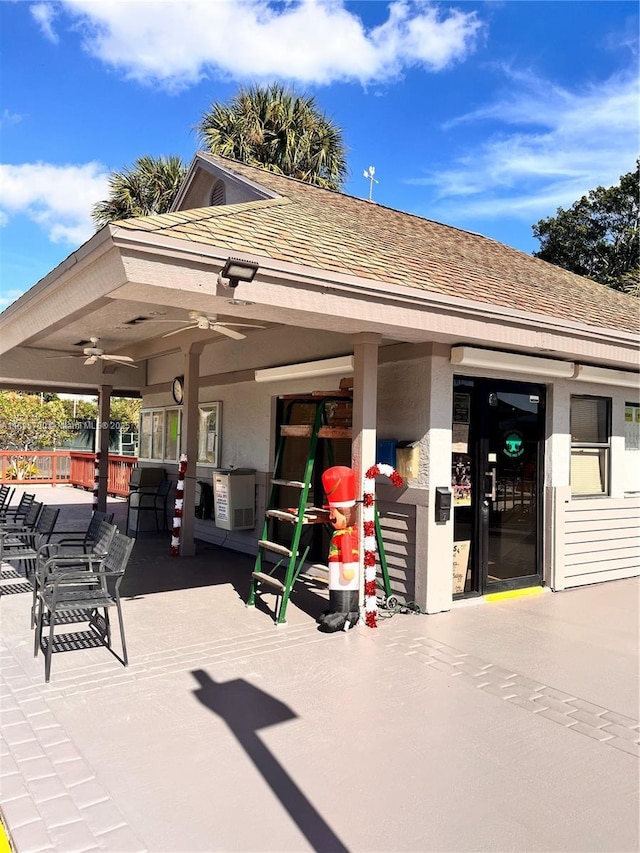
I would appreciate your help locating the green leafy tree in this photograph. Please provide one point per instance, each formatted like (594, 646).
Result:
(149, 186)
(273, 127)
(598, 237)
(29, 422)
(126, 410)
(83, 410)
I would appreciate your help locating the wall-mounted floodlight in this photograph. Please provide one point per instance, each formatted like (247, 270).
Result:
(236, 270)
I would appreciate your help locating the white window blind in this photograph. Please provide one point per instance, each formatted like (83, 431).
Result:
(586, 472)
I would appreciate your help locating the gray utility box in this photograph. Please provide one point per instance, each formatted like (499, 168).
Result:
(234, 499)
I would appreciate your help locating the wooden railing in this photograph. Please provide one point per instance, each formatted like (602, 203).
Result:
(53, 467)
(118, 472)
(35, 466)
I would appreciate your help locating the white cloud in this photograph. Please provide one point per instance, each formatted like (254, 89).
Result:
(58, 198)
(178, 42)
(44, 15)
(8, 118)
(553, 145)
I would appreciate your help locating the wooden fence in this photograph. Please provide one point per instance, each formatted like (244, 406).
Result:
(55, 467)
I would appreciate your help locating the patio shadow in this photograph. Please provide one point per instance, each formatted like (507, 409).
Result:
(246, 709)
(152, 569)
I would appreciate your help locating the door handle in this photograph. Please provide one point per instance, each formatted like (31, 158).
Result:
(490, 486)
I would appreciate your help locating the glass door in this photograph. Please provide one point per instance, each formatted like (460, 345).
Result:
(497, 477)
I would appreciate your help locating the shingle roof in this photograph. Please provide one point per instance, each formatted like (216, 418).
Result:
(329, 230)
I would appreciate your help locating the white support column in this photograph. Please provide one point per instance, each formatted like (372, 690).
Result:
(434, 577)
(189, 445)
(102, 443)
(365, 404)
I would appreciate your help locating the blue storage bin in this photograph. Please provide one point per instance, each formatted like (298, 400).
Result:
(387, 451)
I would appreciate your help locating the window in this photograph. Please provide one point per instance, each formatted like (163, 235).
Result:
(144, 450)
(632, 426)
(590, 445)
(157, 434)
(161, 429)
(172, 434)
(160, 434)
(209, 434)
(631, 448)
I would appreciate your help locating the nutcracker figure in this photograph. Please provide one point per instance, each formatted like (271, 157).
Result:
(344, 578)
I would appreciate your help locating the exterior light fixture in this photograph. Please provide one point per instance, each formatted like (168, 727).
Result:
(236, 270)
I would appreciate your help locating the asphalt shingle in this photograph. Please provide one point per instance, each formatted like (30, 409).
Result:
(319, 228)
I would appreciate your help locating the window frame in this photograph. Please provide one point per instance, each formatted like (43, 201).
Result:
(163, 412)
(601, 449)
(160, 413)
(203, 409)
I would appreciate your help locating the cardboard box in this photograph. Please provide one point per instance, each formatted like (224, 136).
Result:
(460, 565)
(408, 460)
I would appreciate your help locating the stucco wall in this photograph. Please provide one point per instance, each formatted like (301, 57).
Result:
(414, 404)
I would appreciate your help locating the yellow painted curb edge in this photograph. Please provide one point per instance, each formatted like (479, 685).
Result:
(514, 593)
(5, 847)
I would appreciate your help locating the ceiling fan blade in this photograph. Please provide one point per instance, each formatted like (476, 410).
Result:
(91, 359)
(244, 325)
(64, 356)
(177, 331)
(230, 333)
(123, 363)
(121, 358)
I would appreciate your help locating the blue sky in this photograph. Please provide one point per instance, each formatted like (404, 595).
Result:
(484, 115)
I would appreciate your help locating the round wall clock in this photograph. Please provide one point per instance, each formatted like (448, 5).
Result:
(177, 389)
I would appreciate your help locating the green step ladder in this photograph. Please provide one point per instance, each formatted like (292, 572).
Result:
(293, 555)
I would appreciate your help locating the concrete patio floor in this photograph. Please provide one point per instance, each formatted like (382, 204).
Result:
(504, 726)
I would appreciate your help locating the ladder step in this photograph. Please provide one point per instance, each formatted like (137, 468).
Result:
(271, 581)
(275, 547)
(296, 484)
(305, 430)
(296, 430)
(282, 515)
(334, 432)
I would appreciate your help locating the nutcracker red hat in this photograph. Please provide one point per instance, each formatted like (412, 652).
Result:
(340, 485)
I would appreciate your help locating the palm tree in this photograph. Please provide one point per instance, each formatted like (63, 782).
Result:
(149, 186)
(272, 127)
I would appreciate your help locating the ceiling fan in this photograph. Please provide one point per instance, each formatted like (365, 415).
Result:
(94, 353)
(209, 323)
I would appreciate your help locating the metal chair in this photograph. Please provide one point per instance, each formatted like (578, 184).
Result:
(84, 539)
(95, 590)
(16, 514)
(22, 524)
(156, 502)
(6, 494)
(24, 545)
(65, 561)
